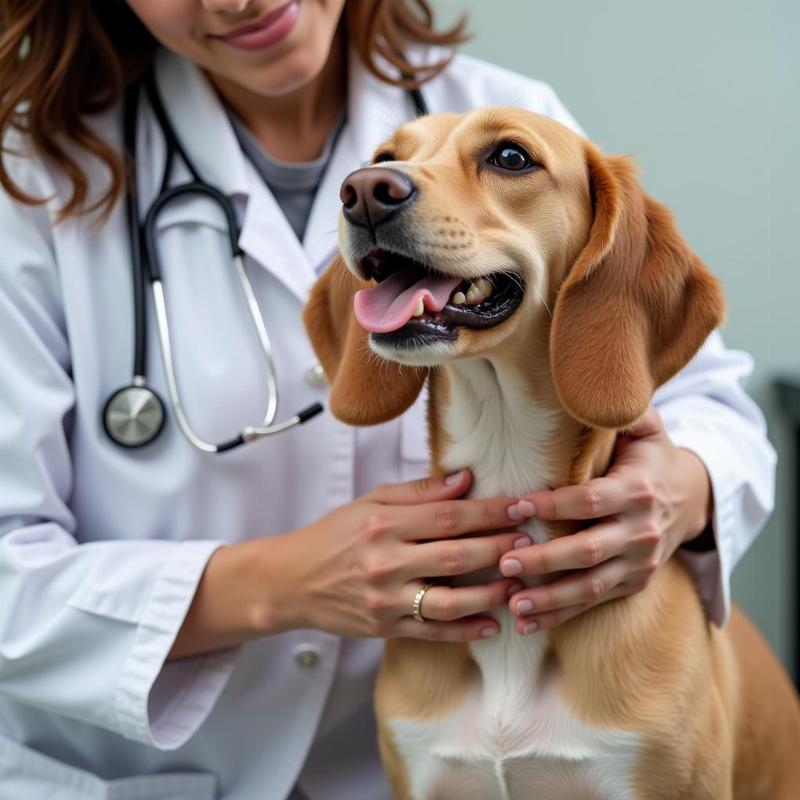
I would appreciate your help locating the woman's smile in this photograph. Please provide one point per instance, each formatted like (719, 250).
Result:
(272, 28)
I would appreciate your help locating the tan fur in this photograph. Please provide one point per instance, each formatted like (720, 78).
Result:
(635, 307)
(631, 304)
(438, 398)
(434, 677)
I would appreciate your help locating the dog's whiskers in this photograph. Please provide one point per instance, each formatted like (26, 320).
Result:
(544, 303)
(512, 276)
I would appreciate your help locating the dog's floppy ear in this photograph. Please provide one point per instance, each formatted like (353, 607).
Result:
(365, 389)
(635, 306)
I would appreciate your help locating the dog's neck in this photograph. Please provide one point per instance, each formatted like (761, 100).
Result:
(501, 418)
(492, 426)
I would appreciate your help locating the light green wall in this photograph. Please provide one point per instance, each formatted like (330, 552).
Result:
(706, 95)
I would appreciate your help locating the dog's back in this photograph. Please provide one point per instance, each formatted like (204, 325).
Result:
(767, 758)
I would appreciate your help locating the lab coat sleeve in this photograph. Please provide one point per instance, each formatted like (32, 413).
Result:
(705, 409)
(84, 628)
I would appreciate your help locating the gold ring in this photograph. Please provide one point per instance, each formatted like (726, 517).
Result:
(415, 606)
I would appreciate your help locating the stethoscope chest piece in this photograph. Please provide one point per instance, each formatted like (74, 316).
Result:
(133, 416)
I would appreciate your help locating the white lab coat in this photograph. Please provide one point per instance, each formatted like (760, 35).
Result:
(102, 547)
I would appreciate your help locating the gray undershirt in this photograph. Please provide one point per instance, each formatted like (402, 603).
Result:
(293, 184)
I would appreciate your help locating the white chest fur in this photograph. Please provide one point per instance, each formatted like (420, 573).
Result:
(513, 738)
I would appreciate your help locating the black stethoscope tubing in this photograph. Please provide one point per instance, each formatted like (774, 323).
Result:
(131, 107)
(134, 415)
(147, 269)
(418, 99)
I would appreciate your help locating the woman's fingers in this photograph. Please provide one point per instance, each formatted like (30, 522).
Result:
(445, 603)
(430, 509)
(461, 631)
(640, 544)
(584, 549)
(528, 625)
(549, 619)
(600, 497)
(423, 490)
(459, 556)
(586, 587)
(449, 518)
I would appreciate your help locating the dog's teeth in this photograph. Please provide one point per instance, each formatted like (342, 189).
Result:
(459, 298)
(473, 294)
(479, 291)
(420, 309)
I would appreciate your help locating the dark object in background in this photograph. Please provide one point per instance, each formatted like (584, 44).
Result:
(789, 400)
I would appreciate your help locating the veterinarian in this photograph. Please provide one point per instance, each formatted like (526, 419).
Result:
(185, 606)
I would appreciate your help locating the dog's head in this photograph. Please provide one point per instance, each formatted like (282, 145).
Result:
(496, 231)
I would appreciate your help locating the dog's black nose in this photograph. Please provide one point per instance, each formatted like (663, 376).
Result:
(372, 194)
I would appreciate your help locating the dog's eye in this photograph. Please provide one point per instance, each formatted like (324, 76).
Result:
(384, 156)
(510, 157)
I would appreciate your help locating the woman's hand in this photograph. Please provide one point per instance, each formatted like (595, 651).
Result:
(356, 571)
(654, 498)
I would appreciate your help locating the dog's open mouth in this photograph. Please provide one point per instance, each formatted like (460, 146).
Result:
(411, 299)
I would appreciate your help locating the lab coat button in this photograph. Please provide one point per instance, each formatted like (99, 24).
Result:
(315, 376)
(306, 658)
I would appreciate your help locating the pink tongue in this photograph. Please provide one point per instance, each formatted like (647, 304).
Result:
(389, 305)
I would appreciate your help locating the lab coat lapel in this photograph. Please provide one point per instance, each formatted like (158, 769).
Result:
(203, 127)
(374, 110)
(269, 239)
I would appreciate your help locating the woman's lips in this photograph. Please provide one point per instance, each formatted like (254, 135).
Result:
(269, 30)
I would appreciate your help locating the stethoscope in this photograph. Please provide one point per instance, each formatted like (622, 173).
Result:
(134, 415)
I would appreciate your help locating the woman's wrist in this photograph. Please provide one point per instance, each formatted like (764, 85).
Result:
(700, 502)
(237, 599)
(276, 600)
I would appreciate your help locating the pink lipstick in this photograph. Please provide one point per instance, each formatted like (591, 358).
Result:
(269, 30)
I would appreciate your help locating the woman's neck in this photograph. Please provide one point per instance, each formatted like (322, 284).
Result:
(294, 126)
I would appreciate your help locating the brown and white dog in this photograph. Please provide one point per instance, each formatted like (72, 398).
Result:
(544, 297)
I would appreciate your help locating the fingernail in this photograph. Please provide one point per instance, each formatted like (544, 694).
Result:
(511, 567)
(488, 632)
(531, 627)
(514, 512)
(453, 479)
(513, 589)
(524, 607)
(523, 541)
(526, 508)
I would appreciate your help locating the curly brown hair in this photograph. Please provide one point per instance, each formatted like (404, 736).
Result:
(61, 60)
